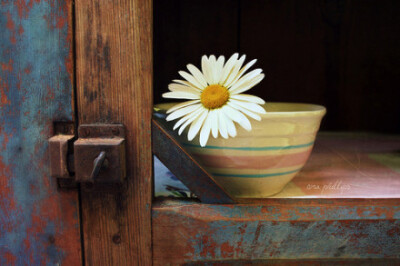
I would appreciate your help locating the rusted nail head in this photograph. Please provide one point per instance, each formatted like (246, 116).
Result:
(51, 239)
(115, 130)
(116, 239)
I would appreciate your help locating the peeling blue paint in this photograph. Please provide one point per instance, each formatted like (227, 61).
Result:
(35, 90)
(281, 240)
(277, 230)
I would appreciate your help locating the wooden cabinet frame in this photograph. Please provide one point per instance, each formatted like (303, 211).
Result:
(90, 61)
(114, 76)
(121, 226)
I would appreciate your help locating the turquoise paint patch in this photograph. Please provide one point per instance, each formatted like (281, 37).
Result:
(38, 88)
(257, 176)
(267, 239)
(268, 148)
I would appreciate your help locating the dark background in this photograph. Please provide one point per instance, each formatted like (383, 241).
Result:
(341, 54)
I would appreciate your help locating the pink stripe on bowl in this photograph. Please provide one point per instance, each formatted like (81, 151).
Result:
(253, 162)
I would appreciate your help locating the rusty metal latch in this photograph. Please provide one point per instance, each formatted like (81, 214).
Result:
(97, 155)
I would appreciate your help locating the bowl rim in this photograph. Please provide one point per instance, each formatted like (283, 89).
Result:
(315, 109)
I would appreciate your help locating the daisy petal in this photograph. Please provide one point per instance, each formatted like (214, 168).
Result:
(230, 126)
(235, 71)
(182, 120)
(196, 125)
(197, 75)
(184, 88)
(192, 116)
(245, 111)
(250, 106)
(181, 112)
(191, 119)
(228, 68)
(205, 130)
(214, 123)
(237, 116)
(185, 118)
(242, 71)
(246, 78)
(248, 98)
(184, 82)
(180, 105)
(181, 95)
(205, 67)
(248, 85)
(219, 65)
(222, 124)
(191, 79)
(213, 69)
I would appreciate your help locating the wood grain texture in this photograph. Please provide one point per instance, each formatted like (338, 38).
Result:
(39, 224)
(185, 232)
(114, 85)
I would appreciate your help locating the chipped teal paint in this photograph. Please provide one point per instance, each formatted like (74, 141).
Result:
(299, 212)
(322, 239)
(35, 89)
(279, 230)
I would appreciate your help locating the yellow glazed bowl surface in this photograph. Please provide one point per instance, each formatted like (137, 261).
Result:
(260, 162)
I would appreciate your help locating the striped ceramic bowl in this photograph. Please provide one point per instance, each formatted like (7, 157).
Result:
(261, 162)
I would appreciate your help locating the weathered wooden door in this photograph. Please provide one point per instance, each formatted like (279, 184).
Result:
(84, 62)
(39, 223)
(114, 85)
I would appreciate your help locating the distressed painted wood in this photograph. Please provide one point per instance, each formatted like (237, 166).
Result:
(39, 225)
(295, 262)
(275, 229)
(114, 85)
(184, 167)
(354, 214)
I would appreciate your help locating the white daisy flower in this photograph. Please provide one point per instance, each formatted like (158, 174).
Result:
(215, 97)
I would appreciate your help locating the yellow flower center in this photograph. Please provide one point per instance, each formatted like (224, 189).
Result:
(214, 96)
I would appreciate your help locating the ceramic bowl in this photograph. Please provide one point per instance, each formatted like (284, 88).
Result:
(260, 162)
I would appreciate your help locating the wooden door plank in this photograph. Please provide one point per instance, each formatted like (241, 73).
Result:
(114, 85)
(39, 225)
(275, 229)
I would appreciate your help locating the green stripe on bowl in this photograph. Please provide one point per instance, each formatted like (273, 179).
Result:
(268, 148)
(258, 175)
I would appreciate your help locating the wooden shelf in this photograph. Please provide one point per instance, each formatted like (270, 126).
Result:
(345, 204)
(349, 165)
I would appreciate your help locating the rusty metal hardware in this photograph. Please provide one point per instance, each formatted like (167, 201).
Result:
(58, 146)
(98, 155)
(98, 164)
